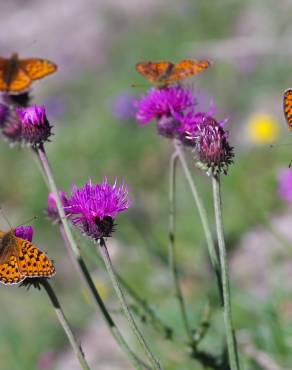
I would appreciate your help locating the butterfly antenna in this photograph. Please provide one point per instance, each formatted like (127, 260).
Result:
(28, 221)
(281, 144)
(5, 218)
(139, 85)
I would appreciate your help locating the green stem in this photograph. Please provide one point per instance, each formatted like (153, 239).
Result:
(231, 340)
(72, 246)
(65, 325)
(202, 214)
(148, 311)
(157, 323)
(171, 245)
(110, 269)
(203, 325)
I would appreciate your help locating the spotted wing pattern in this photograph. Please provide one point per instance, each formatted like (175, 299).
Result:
(36, 68)
(21, 259)
(288, 107)
(32, 261)
(9, 271)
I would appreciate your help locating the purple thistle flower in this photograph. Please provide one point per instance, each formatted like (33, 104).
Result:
(164, 102)
(168, 127)
(24, 232)
(52, 210)
(35, 128)
(188, 127)
(93, 207)
(211, 146)
(285, 184)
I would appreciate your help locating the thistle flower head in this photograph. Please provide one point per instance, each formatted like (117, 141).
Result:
(164, 102)
(35, 128)
(168, 126)
(24, 232)
(212, 149)
(93, 207)
(188, 127)
(52, 210)
(285, 184)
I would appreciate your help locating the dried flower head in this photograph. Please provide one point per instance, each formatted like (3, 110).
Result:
(211, 146)
(93, 207)
(52, 210)
(35, 128)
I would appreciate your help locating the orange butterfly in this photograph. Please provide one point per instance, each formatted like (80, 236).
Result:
(20, 259)
(163, 72)
(16, 75)
(287, 103)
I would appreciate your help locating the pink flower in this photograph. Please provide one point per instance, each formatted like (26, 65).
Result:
(93, 207)
(35, 128)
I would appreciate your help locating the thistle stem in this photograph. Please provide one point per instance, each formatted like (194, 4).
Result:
(202, 214)
(157, 323)
(110, 269)
(231, 340)
(65, 325)
(82, 268)
(171, 245)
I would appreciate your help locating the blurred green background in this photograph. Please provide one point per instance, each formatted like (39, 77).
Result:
(96, 45)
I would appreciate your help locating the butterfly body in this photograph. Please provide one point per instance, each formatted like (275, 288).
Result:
(20, 259)
(16, 75)
(11, 69)
(163, 73)
(287, 103)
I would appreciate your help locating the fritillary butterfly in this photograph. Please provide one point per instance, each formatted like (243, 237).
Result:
(163, 73)
(16, 75)
(287, 103)
(20, 259)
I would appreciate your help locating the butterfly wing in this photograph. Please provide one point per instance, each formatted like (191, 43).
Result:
(37, 68)
(19, 82)
(287, 102)
(3, 68)
(155, 72)
(187, 68)
(10, 272)
(9, 268)
(32, 261)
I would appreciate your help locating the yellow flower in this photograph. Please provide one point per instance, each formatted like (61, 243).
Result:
(263, 128)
